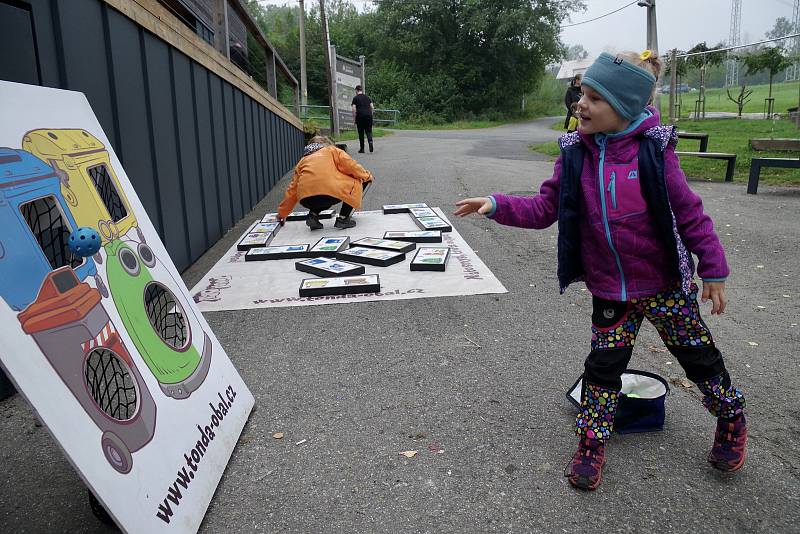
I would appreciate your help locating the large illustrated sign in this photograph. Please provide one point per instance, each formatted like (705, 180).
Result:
(109, 349)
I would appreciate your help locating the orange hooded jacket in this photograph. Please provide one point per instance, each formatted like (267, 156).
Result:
(328, 171)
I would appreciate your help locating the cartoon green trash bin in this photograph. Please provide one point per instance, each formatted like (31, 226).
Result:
(162, 326)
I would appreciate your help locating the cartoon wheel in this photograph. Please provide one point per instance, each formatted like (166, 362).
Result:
(101, 286)
(116, 452)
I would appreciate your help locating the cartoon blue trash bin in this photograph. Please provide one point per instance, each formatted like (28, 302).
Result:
(35, 224)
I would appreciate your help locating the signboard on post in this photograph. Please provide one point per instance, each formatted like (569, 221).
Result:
(109, 348)
(348, 73)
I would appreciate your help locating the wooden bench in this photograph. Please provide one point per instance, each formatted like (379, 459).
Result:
(703, 137)
(731, 158)
(778, 145)
(757, 163)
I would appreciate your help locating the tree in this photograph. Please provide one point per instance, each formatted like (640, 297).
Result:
(440, 59)
(771, 59)
(782, 27)
(574, 52)
(471, 56)
(742, 99)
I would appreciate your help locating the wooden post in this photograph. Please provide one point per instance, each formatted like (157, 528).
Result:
(272, 74)
(221, 28)
(324, 22)
(303, 86)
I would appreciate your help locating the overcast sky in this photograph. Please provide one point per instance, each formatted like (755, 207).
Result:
(681, 23)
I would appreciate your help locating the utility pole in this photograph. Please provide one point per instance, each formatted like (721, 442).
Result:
(652, 37)
(673, 76)
(303, 86)
(327, 50)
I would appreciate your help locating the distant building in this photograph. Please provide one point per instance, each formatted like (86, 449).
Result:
(569, 69)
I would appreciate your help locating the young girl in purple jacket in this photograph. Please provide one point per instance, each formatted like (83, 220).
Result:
(628, 226)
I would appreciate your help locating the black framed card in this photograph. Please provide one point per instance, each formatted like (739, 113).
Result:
(297, 216)
(344, 285)
(329, 246)
(252, 240)
(422, 212)
(371, 256)
(278, 252)
(401, 208)
(327, 267)
(385, 244)
(416, 236)
(433, 223)
(266, 227)
(430, 259)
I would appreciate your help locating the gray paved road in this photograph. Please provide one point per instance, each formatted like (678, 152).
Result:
(403, 375)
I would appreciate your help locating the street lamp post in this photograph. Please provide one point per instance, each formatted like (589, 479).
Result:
(652, 37)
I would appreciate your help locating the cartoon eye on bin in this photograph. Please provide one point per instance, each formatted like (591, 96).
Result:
(146, 255)
(129, 262)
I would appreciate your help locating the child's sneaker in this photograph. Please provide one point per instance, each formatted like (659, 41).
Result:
(586, 467)
(344, 222)
(730, 444)
(313, 221)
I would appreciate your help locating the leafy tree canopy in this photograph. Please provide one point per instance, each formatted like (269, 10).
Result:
(447, 58)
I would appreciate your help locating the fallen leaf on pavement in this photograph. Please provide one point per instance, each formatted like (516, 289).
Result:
(681, 381)
(653, 348)
(277, 435)
(752, 343)
(409, 454)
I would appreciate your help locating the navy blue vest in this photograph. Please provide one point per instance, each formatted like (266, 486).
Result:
(654, 192)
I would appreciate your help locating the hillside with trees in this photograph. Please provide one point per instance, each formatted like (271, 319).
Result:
(436, 60)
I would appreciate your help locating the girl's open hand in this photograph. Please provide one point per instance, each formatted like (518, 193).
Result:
(482, 205)
(716, 292)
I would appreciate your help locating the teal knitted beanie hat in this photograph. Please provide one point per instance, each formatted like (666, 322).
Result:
(626, 87)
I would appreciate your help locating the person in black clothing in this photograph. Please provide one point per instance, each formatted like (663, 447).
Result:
(572, 95)
(362, 116)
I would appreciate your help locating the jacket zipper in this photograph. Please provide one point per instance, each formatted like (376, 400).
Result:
(601, 141)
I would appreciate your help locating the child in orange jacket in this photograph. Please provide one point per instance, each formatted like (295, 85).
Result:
(323, 177)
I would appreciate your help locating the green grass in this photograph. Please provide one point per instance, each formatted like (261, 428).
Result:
(351, 135)
(786, 95)
(731, 136)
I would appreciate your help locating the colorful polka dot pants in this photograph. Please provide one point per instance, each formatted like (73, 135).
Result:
(676, 317)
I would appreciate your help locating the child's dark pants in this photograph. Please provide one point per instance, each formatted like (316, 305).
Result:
(676, 317)
(318, 203)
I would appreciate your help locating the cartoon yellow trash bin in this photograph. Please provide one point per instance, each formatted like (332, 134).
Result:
(88, 181)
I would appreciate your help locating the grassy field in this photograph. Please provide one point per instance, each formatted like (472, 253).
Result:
(785, 94)
(725, 135)
(350, 135)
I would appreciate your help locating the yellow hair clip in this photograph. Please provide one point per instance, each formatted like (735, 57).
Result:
(647, 54)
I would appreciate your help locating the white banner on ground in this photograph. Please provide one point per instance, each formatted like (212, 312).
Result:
(109, 349)
(233, 284)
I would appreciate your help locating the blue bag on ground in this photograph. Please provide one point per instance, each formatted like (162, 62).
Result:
(641, 401)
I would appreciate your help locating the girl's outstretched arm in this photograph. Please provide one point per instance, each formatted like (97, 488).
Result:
(538, 211)
(482, 205)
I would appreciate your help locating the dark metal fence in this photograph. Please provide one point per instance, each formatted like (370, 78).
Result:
(201, 145)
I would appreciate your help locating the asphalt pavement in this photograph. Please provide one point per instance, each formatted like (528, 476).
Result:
(476, 385)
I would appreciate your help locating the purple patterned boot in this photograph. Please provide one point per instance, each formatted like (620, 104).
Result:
(730, 444)
(730, 438)
(594, 425)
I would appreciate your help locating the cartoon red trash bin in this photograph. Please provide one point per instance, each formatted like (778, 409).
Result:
(74, 332)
